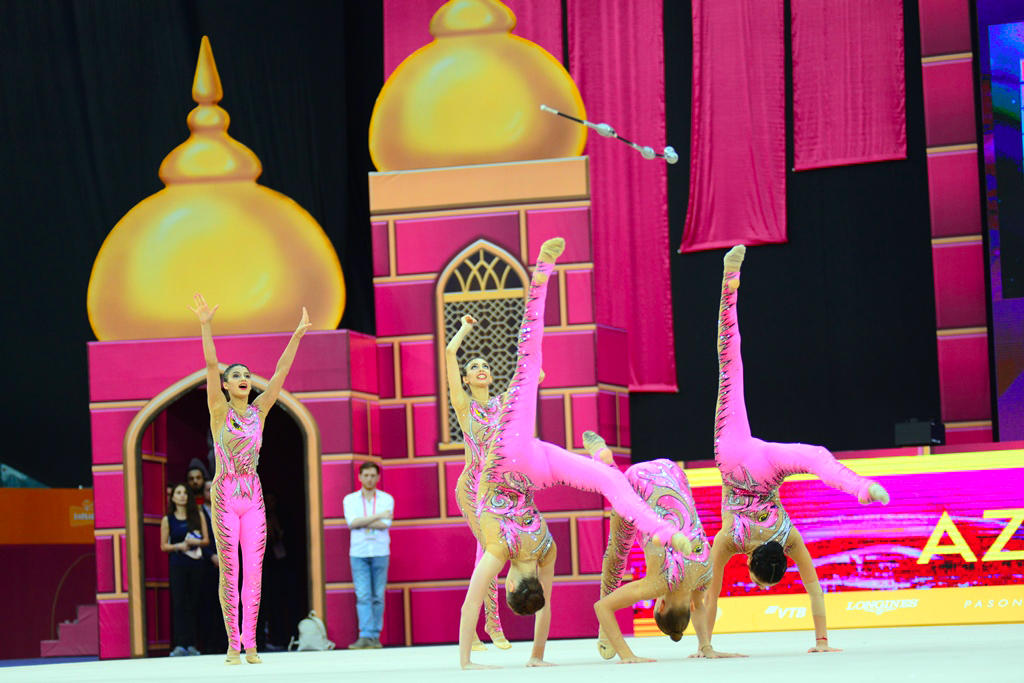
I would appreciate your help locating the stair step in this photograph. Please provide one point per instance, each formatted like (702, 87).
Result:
(75, 638)
(84, 612)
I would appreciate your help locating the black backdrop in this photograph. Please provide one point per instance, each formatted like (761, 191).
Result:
(838, 324)
(93, 95)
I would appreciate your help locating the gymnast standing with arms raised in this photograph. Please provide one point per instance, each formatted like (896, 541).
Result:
(754, 523)
(237, 496)
(515, 466)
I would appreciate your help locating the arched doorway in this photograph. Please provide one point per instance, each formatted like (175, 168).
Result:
(290, 462)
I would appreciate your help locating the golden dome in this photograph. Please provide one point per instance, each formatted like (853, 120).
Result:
(214, 230)
(473, 96)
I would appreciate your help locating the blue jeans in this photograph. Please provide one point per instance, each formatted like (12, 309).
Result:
(370, 576)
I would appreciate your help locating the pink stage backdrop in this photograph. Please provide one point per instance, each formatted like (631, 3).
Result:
(406, 24)
(849, 93)
(621, 75)
(738, 130)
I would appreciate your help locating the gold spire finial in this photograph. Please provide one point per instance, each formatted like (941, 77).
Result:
(209, 154)
(206, 88)
(472, 16)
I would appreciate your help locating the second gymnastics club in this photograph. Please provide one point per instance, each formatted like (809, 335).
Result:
(604, 130)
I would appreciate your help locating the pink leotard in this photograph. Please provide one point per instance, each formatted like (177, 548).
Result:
(665, 489)
(239, 519)
(752, 470)
(517, 464)
(486, 418)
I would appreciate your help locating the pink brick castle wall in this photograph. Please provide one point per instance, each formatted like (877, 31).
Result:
(377, 399)
(414, 240)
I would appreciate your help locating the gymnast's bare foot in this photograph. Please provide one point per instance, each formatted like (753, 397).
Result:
(537, 661)
(551, 250)
(597, 447)
(498, 639)
(877, 494)
(733, 261)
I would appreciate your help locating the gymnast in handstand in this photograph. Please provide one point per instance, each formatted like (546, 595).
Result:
(754, 523)
(515, 466)
(676, 581)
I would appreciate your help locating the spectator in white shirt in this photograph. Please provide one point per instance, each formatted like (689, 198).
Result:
(368, 513)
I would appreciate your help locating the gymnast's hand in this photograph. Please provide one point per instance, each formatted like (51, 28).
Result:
(821, 645)
(708, 652)
(202, 309)
(468, 321)
(635, 660)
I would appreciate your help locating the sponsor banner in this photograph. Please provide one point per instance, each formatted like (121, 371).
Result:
(861, 609)
(954, 521)
(46, 516)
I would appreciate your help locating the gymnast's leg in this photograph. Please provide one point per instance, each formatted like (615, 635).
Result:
(620, 539)
(817, 460)
(587, 474)
(253, 541)
(732, 430)
(733, 442)
(520, 415)
(227, 525)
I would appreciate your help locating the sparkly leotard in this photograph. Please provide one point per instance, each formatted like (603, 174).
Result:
(752, 470)
(517, 464)
(485, 418)
(665, 489)
(239, 519)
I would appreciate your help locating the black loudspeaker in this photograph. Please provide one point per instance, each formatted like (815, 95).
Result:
(920, 433)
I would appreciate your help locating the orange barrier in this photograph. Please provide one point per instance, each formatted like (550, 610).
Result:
(46, 516)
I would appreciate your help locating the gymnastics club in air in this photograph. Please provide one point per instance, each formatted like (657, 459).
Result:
(604, 130)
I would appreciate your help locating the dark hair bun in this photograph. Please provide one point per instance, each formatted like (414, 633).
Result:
(768, 562)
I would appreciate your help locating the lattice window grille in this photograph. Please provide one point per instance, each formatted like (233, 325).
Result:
(488, 288)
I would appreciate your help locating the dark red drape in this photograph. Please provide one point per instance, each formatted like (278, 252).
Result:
(616, 57)
(848, 84)
(738, 133)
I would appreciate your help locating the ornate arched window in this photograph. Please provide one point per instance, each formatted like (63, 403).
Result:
(486, 282)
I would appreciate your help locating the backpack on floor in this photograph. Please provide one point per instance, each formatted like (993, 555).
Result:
(312, 635)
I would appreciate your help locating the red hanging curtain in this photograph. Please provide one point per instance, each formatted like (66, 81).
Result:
(406, 24)
(849, 93)
(616, 57)
(738, 128)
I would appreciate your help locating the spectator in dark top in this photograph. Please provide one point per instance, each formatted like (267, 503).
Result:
(212, 638)
(184, 533)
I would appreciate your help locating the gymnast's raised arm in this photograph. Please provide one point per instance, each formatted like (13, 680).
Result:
(268, 398)
(214, 395)
(456, 393)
